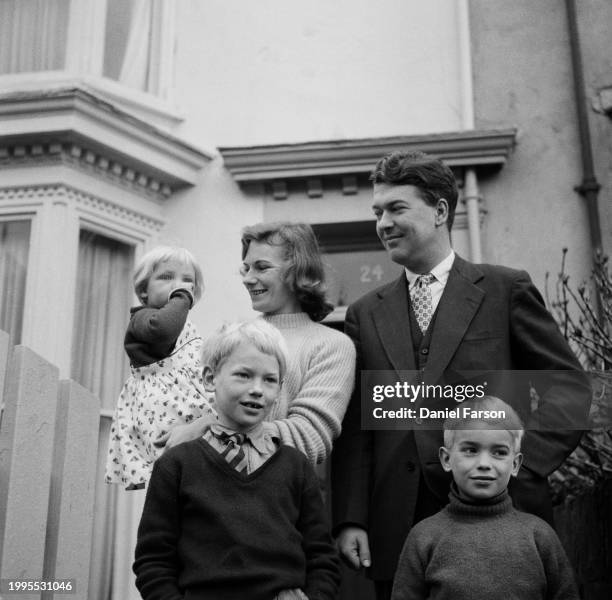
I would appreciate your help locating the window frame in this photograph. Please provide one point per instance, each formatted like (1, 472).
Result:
(84, 62)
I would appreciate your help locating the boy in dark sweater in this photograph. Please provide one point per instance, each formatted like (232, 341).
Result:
(479, 546)
(235, 515)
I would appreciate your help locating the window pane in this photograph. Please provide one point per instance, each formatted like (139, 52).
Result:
(14, 248)
(352, 274)
(33, 35)
(127, 41)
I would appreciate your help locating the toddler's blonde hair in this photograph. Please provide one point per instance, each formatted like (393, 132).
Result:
(149, 262)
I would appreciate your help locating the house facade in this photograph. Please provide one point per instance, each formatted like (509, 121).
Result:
(125, 124)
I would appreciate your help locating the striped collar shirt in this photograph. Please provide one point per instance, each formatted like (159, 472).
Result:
(258, 446)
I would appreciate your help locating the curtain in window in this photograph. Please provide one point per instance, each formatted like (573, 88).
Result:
(14, 247)
(103, 294)
(132, 43)
(33, 35)
(99, 363)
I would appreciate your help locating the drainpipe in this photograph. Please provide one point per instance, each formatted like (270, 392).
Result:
(589, 188)
(471, 194)
(471, 197)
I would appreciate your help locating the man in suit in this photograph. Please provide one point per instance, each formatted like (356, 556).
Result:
(443, 316)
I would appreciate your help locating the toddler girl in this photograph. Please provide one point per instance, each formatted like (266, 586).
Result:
(165, 386)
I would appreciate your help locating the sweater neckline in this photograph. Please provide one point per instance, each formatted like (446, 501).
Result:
(288, 320)
(499, 505)
(222, 464)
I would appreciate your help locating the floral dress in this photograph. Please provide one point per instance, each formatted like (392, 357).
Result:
(155, 398)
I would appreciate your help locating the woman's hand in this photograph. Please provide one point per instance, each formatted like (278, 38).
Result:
(184, 433)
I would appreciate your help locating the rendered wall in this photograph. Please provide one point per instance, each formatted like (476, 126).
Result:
(276, 71)
(594, 22)
(523, 77)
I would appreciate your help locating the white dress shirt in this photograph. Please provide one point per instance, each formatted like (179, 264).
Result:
(441, 272)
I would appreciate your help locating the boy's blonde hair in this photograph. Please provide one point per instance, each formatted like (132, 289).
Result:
(265, 337)
(149, 262)
(510, 421)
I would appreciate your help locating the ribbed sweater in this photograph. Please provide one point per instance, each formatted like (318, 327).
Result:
(483, 551)
(317, 387)
(209, 532)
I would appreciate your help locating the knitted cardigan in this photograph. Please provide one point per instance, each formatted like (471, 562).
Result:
(483, 550)
(208, 531)
(317, 387)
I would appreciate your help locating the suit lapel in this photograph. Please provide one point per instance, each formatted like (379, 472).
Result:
(393, 325)
(458, 305)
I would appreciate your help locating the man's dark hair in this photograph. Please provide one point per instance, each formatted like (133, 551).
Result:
(428, 174)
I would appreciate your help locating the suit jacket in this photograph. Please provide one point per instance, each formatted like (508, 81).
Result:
(489, 318)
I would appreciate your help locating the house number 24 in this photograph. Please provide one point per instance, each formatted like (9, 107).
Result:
(370, 274)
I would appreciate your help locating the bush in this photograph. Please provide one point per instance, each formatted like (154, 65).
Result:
(584, 315)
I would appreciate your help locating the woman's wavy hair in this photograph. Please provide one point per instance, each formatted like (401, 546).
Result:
(305, 275)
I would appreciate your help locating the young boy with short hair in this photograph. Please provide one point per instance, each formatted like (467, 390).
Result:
(235, 515)
(479, 546)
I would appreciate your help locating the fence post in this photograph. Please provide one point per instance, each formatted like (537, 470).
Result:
(71, 499)
(26, 449)
(4, 349)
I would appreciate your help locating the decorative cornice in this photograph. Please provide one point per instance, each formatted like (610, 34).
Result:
(80, 118)
(84, 159)
(346, 157)
(84, 200)
(121, 213)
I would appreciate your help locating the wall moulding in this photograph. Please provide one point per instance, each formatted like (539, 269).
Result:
(350, 161)
(83, 202)
(77, 123)
(90, 161)
(464, 148)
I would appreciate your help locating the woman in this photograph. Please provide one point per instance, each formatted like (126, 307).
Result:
(283, 272)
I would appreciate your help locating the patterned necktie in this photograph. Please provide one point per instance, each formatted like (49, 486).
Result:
(422, 303)
(234, 452)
